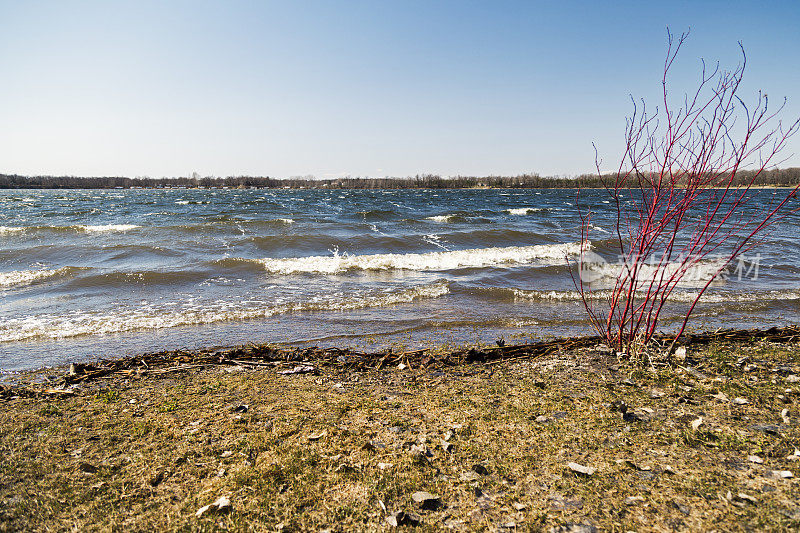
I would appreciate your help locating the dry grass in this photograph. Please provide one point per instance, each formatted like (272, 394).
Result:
(331, 451)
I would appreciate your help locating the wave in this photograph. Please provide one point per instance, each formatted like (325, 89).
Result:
(192, 202)
(450, 260)
(18, 278)
(443, 218)
(108, 228)
(676, 296)
(144, 277)
(377, 215)
(146, 318)
(689, 273)
(525, 210)
(10, 230)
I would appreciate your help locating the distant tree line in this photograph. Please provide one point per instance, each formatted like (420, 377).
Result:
(776, 177)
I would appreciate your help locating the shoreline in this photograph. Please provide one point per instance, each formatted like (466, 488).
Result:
(270, 354)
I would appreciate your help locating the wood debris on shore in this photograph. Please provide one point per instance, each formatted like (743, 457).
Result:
(302, 360)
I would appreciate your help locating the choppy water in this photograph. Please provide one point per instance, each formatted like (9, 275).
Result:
(104, 273)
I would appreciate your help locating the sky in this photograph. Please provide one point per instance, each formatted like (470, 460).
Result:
(359, 88)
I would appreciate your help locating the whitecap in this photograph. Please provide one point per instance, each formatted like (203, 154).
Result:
(441, 218)
(108, 228)
(10, 230)
(17, 278)
(473, 258)
(524, 210)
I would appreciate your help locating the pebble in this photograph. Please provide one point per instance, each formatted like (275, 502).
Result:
(426, 500)
(402, 518)
(585, 470)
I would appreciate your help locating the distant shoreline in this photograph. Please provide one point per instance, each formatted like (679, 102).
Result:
(777, 178)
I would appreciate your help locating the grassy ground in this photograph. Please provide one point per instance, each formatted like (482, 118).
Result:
(695, 449)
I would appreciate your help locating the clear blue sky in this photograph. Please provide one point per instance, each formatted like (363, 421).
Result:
(369, 88)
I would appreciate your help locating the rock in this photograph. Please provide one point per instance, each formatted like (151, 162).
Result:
(781, 474)
(696, 423)
(402, 518)
(792, 378)
(769, 429)
(655, 394)
(637, 415)
(541, 419)
(741, 401)
(559, 503)
(745, 498)
(580, 469)
(755, 459)
(721, 397)
(785, 416)
(573, 527)
(384, 466)
(401, 366)
(426, 500)
(156, 478)
(226, 454)
(480, 469)
(519, 506)
(222, 504)
(241, 408)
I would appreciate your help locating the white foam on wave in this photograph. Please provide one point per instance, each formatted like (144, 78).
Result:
(473, 258)
(194, 313)
(18, 278)
(524, 210)
(675, 296)
(441, 218)
(286, 220)
(685, 274)
(10, 230)
(105, 228)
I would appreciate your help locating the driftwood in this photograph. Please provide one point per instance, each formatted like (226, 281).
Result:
(272, 356)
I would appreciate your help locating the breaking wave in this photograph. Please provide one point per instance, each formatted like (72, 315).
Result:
(193, 313)
(10, 230)
(525, 210)
(676, 296)
(108, 228)
(449, 260)
(18, 278)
